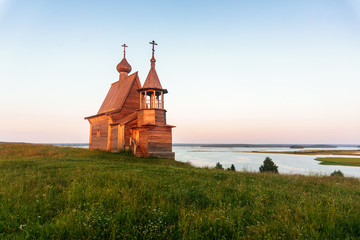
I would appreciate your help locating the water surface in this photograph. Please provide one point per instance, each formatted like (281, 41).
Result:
(287, 163)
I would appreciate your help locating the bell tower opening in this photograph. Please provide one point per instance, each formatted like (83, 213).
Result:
(151, 99)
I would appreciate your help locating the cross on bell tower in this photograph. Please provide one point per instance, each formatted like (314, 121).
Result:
(153, 43)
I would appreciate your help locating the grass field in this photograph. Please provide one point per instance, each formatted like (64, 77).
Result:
(340, 161)
(51, 192)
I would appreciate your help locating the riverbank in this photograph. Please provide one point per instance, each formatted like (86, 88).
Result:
(355, 162)
(59, 192)
(313, 152)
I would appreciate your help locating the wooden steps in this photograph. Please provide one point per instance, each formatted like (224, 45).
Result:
(136, 148)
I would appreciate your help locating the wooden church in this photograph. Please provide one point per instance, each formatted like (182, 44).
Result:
(133, 116)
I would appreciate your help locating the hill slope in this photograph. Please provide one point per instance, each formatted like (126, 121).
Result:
(54, 192)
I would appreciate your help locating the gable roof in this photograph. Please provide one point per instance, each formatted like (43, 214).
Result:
(126, 119)
(116, 97)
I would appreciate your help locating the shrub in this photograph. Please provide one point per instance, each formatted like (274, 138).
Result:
(232, 168)
(337, 173)
(219, 166)
(268, 166)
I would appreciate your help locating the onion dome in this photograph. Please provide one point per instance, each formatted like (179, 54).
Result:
(123, 66)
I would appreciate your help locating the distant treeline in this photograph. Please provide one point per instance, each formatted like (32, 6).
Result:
(225, 145)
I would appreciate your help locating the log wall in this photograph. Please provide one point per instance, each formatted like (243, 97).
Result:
(114, 138)
(121, 137)
(99, 133)
(143, 135)
(159, 139)
(151, 116)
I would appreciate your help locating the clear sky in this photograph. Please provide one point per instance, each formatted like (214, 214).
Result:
(255, 71)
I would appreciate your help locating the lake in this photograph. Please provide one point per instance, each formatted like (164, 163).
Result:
(289, 164)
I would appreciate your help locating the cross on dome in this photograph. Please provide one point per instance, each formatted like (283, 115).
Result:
(124, 46)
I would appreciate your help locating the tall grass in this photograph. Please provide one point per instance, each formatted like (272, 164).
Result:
(51, 192)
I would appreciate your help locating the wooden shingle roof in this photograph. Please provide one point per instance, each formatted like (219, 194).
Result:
(118, 93)
(126, 119)
(152, 79)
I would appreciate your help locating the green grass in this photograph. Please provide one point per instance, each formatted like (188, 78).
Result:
(340, 161)
(51, 192)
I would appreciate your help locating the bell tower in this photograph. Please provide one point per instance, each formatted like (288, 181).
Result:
(153, 134)
(152, 97)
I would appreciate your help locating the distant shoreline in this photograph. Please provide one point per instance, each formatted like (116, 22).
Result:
(220, 145)
(354, 162)
(295, 146)
(312, 152)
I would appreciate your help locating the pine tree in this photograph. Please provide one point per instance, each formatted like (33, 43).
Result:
(232, 168)
(268, 166)
(337, 173)
(218, 166)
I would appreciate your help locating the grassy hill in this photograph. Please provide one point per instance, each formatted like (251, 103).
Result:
(54, 192)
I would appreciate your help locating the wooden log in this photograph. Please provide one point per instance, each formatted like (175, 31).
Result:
(121, 137)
